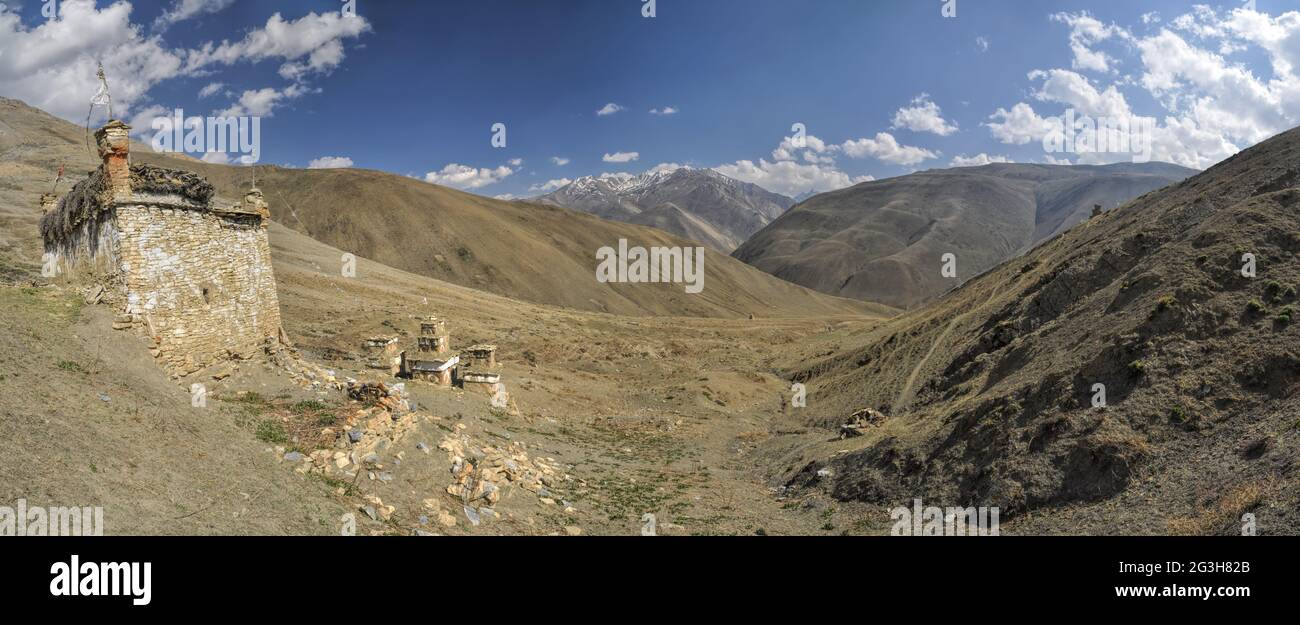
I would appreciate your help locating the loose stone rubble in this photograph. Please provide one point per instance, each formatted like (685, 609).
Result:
(860, 421)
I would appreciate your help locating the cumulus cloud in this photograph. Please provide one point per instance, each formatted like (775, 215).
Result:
(1086, 32)
(885, 148)
(923, 116)
(977, 160)
(330, 162)
(551, 185)
(262, 102)
(52, 65)
(799, 165)
(310, 44)
(609, 109)
(460, 176)
(182, 10)
(621, 157)
(789, 178)
(211, 89)
(1018, 126)
(1207, 104)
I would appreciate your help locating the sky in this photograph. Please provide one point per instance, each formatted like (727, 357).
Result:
(797, 96)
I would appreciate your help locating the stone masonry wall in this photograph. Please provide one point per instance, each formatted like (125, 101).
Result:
(200, 283)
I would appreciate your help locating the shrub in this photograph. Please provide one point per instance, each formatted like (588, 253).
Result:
(1137, 368)
(271, 432)
(1256, 307)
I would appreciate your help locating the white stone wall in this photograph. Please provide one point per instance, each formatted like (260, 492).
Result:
(199, 283)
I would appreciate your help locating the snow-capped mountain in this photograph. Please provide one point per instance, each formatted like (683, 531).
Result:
(699, 204)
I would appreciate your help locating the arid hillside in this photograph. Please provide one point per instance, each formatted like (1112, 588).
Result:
(533, 252)
(1124, 376)
(884, 241)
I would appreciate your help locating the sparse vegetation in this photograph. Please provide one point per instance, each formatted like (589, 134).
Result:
(269, 431)
(1165, 303)
(72, 367)
(1137, 368)
(1284, 316)
(1256, 308)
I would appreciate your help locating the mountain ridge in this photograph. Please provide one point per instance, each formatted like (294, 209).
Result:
(885, 240)
(731, 209)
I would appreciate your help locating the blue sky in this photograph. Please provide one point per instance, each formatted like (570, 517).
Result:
(883, 87)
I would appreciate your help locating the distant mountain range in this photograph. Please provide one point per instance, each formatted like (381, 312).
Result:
(699, 204)
(884, 241)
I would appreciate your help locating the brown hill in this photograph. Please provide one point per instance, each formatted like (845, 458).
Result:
(883, 241)
(991, 388)
(527, 251)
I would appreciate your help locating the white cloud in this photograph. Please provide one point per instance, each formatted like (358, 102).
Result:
(1206, 103)
(667, 110)
(262, 102)
(465, 177)
(809, 148)
(211, 89)
(182, 10)
(663, 167)
(507, 197)
(885, 148)
(1018, 126)
(977, 160)
(515, 162)
(621, 157)
(216, 158)
(789, 178)
(798, 167)
(1086, 32)
(982, 44)
(329, 162)
(923, 116)
(1073, 90)
(551, 185)
(559, 161)
(312, 43)
(52, 65)
(609, 109)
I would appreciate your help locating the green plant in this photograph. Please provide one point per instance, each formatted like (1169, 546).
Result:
(1256, 307)
(1137, 368)
(1165, 303)
(68, 365)
(271, 432)
(1179, 415)
(309, 405)
(1284, 316)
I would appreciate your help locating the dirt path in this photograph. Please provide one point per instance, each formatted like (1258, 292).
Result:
(908, 392)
